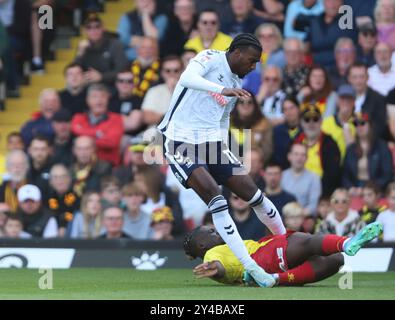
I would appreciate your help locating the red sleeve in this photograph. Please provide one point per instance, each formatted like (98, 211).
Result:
(80, 126)
(109, 133)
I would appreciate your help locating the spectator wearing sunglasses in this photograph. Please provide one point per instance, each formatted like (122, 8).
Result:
(367, 159)
(342, 221)
(367, 40)
(157, 98)
(209, 35)
(125, 103)
(340, 126)
(323, 154)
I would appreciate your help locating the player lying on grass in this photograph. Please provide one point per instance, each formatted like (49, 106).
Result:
(295, 258)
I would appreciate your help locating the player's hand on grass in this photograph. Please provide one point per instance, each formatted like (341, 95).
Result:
(239, 93)
(206, 270)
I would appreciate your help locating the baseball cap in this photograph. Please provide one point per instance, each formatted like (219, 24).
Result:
(137, 144)
(63, 115)
(346, 90)
(29, 192)
(310, 110)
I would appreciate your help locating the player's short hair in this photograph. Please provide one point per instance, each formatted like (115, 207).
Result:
(190, 243)
(245, 40)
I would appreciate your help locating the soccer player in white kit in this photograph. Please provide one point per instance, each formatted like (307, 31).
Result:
(195, 130)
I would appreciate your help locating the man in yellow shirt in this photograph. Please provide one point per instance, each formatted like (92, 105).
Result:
(323, 154)
(209, 36)
(340, 125)
(295, 258)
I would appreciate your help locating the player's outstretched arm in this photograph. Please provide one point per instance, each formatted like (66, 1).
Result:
(212, 269)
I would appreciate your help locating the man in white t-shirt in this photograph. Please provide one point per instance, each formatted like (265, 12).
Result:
(195, 131)
(382, 74)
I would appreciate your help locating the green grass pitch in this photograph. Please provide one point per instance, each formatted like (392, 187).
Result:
(178, 284)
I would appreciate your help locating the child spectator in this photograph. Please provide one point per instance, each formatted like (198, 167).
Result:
(111, 192)
(162, 223)
(323, 209)
(87, 223)
(137, 223)
(371, 207)
(387, 217)
(13, 228)
(293, 214)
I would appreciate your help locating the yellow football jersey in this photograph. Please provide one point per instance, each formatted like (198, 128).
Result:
(233, 267)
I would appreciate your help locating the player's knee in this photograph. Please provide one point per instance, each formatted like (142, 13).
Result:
(338, 260)
(335, 262)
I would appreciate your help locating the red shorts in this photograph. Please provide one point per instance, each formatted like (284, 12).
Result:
(272, 256)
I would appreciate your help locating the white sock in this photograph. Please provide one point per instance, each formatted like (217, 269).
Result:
(267, 213)
(226, 227)
(37, 60)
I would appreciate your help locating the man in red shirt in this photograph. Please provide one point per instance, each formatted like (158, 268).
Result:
(104, 126)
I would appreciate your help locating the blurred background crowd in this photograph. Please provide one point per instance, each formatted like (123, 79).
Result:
(321, 115)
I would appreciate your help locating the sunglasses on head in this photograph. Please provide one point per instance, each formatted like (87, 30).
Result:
(311, 119)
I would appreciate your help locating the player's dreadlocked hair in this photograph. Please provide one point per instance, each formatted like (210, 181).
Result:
(190, 243)
(244, 40)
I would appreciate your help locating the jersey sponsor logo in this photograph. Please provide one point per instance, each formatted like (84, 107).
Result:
(281, 262)
(219, 98)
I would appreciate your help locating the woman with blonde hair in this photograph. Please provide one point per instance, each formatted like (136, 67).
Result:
(384, 14)
(87, 223)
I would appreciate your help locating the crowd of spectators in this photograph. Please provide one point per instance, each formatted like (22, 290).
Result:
(321, 119)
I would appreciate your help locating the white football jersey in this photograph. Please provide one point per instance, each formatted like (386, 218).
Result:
(198, 113)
